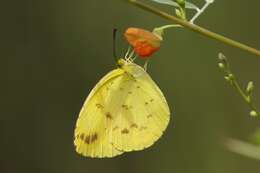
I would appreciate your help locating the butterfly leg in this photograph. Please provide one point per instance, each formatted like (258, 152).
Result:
(130, 55)
(133, 59)
(146, 64)
(130, 58)
(127, 52)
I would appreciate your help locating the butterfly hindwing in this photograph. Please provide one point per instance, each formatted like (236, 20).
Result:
(142, 116)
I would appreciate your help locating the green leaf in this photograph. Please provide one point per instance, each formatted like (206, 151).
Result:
(175, 4)
(191, 6)
(168, 2)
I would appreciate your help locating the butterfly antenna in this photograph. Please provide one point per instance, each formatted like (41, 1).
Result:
(114, 44)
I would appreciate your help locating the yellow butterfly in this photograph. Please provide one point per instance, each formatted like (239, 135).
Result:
(126, 111)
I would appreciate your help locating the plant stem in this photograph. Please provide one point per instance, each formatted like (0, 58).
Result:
(244, 96)
(247, 95)
(195, 28)
(168, 26)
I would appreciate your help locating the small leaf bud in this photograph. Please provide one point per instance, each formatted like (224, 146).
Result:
(250, 88)
(221, 66)
(181, 2)
(178, 13)
(227, 78)
(253, 114)
(231, 76)
(222, 57)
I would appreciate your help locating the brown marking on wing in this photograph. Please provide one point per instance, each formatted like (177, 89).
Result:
(82, 135)
(149, 116)
(126, 107)
(125, 131)
(134, 125)
(87, 139)
(99, 106)
(109, 116)
(91, 138)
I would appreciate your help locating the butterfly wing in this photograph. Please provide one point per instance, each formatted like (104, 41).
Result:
(125, 111)
(142, 116)
(91, 136)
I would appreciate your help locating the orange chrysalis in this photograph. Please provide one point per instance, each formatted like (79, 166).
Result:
(144, 42)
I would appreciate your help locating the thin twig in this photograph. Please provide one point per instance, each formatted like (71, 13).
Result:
(200, 12)
(247, 95)
(195, 28)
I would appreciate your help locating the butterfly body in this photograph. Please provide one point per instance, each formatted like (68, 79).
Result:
(125, 111)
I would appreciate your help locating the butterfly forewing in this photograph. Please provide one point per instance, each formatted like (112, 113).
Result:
(91, 135)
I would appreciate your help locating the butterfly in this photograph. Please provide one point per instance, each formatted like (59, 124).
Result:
(126, 111)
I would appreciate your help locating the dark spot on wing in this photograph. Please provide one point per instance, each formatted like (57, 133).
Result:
(149, 116)
(99, 106)
(146, 103)
(134, 125)
(109, 116)
(125, 131)
(94, 137)
(130, 92)
(138, 86)
(91, 138)
(82, 135)
(87, 140)
(151, 100)
(126, 107)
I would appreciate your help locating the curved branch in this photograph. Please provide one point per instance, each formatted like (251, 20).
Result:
(196, 28)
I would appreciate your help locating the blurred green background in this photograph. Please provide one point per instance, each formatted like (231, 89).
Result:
(54, 52)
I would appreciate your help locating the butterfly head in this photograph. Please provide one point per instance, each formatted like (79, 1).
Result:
(121, 62)
(131, 68)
